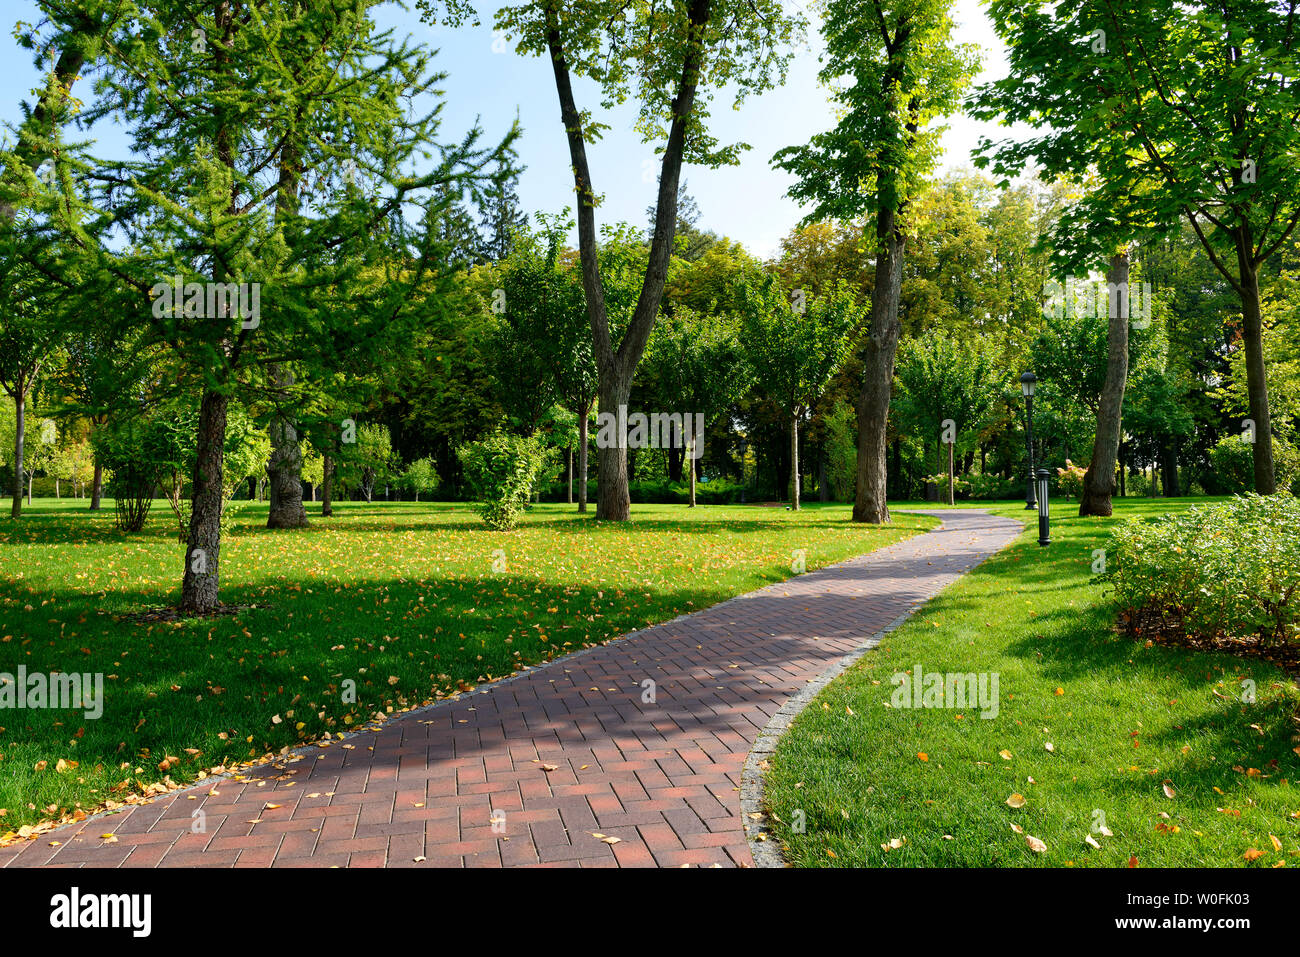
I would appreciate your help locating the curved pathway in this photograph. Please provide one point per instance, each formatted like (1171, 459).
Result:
(558, 755)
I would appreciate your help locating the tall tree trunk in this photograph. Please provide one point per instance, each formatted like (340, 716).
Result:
(20, 408)
(870, 503)
(584, 445)
(327, 486)
(1099, 479)
(1252, 336)
(285, 465)
(200, 588)
(568, 468)
(613, 502)
(794, 461)
(1169, 468)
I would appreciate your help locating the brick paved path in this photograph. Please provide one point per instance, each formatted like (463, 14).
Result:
(663, 778)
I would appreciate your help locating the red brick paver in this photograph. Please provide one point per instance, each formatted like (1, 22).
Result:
(557, 755)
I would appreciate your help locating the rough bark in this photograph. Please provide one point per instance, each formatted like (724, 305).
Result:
(285, 467)
(1252, 337)
(870, 503)
(1099, 479)
(200, 588)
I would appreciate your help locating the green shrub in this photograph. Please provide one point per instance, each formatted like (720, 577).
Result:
(991, 487)
(502, 470)
(1139, 484)
(1069, 480)
(1226, 570)
(1232, 466)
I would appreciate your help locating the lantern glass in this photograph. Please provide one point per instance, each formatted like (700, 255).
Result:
(1042, 493)
(1027, 384)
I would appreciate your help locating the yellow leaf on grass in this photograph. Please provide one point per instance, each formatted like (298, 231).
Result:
(1253, 854)
(1035, 845)
(1016, 801)
(1004, 754)
(922, 756)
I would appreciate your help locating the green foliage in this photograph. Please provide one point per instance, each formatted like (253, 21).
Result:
(1232, 468)
(502, 471)
(794, 347)
(841, 449)
(1222, 571)
(1069, 480)
(893, 73)
(420, 476)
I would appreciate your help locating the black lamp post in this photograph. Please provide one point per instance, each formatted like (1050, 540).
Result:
(1044, 532)
(1027, 387)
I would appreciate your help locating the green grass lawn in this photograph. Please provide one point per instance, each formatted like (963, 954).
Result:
(399, 597)
(1123, 722)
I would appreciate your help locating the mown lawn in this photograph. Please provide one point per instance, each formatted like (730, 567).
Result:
(1091, 729)
(401, 598)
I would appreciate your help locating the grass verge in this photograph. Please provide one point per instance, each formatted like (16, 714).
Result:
(1091, 729)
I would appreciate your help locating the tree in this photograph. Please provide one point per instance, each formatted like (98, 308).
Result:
(500, 219)
(892, 72)
(1206, 95)
(943, 379)
(215, 115)
(671, 59)
(699, 365)
(794, 351)
(28, 335)
(420, 476)
(369, 459)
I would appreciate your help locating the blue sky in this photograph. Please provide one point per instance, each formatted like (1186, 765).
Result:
(744, 202)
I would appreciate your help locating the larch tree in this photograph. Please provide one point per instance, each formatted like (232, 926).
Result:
(274, 212)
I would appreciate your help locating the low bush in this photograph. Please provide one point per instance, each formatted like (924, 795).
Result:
(1232, 466)
(1229, 570)
(502, 470)
(1069, 480)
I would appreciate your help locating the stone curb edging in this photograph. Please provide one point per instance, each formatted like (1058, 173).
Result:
(767, 853)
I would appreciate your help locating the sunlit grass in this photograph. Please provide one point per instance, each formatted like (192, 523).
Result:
(401, 598)
(1123, 720)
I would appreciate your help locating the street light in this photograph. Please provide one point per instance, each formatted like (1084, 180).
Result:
(1044, 532)
(1027, 388)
